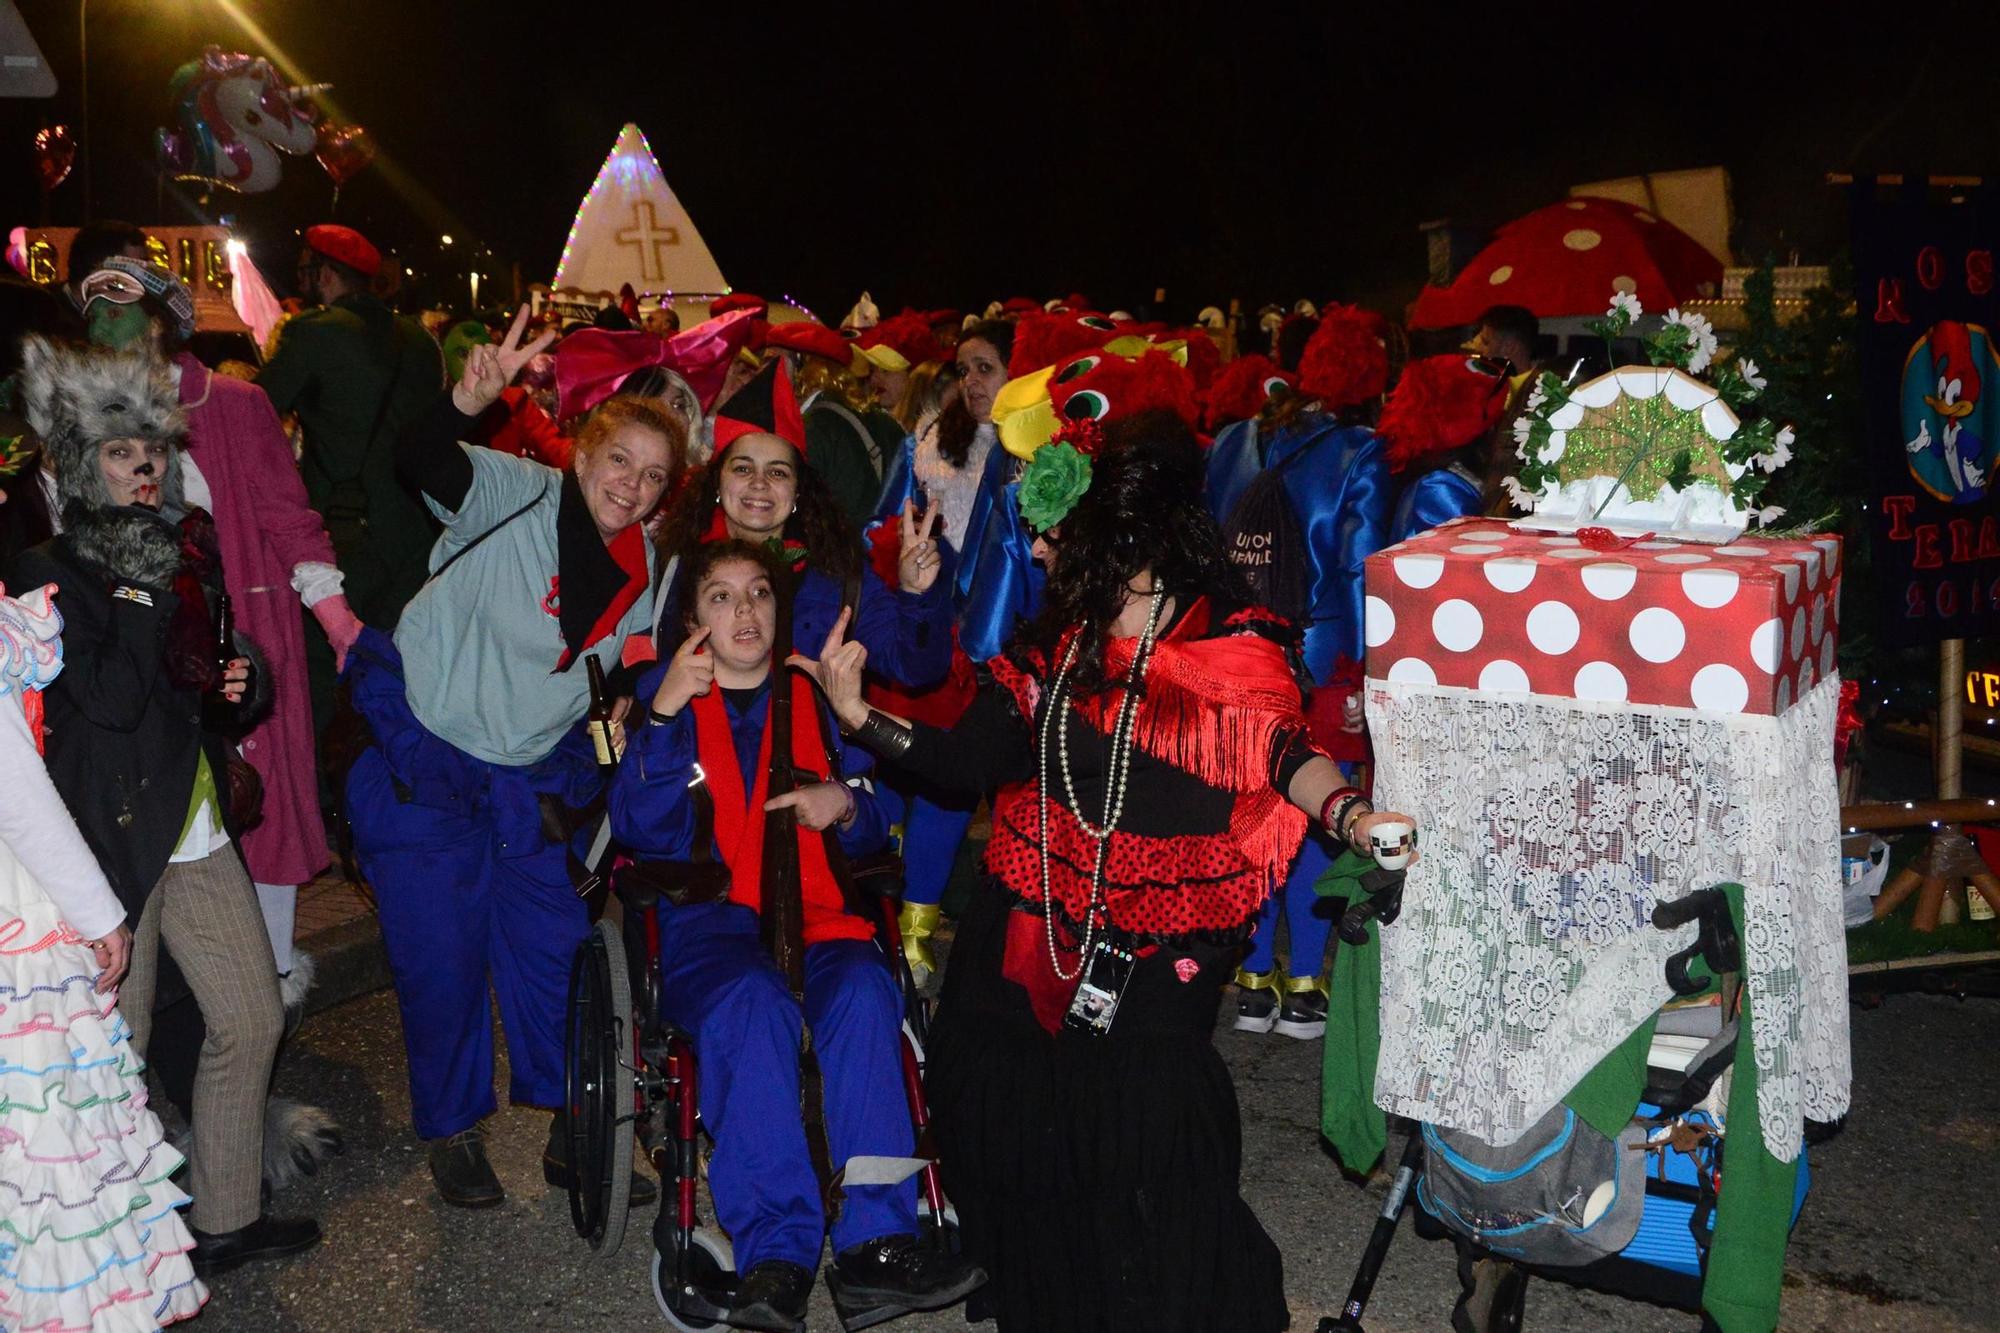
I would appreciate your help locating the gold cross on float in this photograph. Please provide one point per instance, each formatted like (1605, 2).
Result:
(646, 233)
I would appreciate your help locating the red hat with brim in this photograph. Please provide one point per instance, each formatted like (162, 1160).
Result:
(722, 305)
(811, 338)
(1020, 305)
(344, 245)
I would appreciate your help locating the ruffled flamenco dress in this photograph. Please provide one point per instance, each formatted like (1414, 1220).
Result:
(91, 1236)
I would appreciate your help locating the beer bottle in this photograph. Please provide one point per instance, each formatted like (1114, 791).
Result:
(598, 720)
(221, 711)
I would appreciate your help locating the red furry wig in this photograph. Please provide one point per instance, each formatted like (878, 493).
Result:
(1102, 387)
(1346, 361)
(1441, 403)
(1241, 388)
(1042, 340)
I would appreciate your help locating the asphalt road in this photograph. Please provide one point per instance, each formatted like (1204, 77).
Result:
(1899, 1233)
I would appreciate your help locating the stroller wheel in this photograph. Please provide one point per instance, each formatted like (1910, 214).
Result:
(711, 1267)
(601, 1091)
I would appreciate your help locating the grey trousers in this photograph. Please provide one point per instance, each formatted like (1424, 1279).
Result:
(207, 912)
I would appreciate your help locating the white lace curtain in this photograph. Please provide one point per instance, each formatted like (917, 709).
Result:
(1550, 828)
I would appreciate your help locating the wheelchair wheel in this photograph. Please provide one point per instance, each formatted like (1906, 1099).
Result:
(712, 1268)
(600, 1089)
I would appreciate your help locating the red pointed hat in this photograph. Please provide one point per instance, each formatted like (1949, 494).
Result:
(1441, 403)
(764, 406)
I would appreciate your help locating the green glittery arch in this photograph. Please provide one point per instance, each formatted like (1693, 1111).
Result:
(1645, 443)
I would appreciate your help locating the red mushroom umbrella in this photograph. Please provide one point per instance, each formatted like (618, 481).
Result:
(1567, 259)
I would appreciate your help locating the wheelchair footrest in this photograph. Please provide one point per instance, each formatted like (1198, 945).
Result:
(858, 1315)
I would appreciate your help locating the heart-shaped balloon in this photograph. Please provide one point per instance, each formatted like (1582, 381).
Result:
(343, 150)
(55, 154)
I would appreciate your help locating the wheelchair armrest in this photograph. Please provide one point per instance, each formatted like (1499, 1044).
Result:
(642, 885)
(877, 876)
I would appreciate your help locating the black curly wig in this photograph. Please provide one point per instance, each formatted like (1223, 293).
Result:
(1143, 511)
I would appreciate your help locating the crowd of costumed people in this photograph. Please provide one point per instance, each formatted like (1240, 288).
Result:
(452, 592)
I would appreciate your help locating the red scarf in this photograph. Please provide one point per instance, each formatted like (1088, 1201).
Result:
(789, 550)
(739, 819)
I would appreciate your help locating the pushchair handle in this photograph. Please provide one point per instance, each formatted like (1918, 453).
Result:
(1717, 941)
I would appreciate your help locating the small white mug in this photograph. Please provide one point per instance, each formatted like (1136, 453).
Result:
(1394, 842)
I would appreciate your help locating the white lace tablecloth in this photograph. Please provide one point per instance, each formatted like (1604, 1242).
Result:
(1549, 829)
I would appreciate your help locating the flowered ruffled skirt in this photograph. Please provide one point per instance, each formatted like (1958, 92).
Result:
(91, 1236)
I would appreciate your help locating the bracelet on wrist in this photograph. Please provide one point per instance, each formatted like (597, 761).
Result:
(1327, 812)
(1351, 817)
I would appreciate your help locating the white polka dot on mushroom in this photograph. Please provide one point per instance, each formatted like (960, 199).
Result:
(1710, 588)
(1784, 695)
(1476, 548)
(1806, 678)
(1501, 274)
(1378, 622)
(1599, 682)
(1818, 619)
(1509, 573)
(1829, 657)
(1657, 634)
(1582, 238)
(1501, 676)
(1811, 559)
(1742, 550)
(1573, 553)
(1561, 541)
(1798, 631)
(1790, 575)
(1609, 580)
(1766, 642)
(1412, 671)
(1457, 625)
(1418, 571)
(1553, 628)
(1655, 546)
(1832, 550)
(1719, 688)
(1682, 558)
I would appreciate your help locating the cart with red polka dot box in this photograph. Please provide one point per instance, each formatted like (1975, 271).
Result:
(1585, 726)
(1477, 604)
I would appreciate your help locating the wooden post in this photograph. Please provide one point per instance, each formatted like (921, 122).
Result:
(1950, 754)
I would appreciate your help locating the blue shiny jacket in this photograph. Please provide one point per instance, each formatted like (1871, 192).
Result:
(995, 582)
(1434, 498)
(1339, 489)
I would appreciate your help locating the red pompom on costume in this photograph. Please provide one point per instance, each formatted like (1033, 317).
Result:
(1240, 390)
(1346, 361)
(1441, 403)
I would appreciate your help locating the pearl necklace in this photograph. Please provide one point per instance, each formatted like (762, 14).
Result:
(1118, 770)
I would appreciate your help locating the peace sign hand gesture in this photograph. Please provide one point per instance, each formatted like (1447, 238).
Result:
(489, 368)
(917, 565)
(838, 673)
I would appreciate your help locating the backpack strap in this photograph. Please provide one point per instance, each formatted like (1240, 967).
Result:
(466, 549)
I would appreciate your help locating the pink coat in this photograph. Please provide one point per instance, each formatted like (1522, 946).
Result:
(265, 528)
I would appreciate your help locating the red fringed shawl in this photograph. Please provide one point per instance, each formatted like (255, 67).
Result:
(1214, 708)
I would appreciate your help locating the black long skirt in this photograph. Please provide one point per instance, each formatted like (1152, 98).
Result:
(1096, 1177)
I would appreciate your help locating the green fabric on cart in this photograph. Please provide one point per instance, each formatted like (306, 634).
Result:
(1753, 1215)
(1348, 1116)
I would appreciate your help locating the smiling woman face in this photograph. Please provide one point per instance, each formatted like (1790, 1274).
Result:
(758, 486)
(623, 476)
(736, 605)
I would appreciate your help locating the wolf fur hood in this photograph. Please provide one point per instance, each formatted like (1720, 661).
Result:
(77, 397)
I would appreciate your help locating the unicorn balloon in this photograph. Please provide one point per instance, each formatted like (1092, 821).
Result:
(235, 116)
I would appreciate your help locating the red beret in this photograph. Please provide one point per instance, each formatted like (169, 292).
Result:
(722, 305)
(813, 339)
(951, 317)
(1020, 305)
(344, 245)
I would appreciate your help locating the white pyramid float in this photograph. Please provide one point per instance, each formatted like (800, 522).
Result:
(631, 228)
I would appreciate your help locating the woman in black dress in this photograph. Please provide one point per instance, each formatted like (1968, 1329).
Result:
(1148, 748)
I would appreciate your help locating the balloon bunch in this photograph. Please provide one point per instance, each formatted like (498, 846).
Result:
(234, 118)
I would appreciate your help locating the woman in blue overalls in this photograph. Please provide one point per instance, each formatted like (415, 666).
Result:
(474, 709)
(692, 789)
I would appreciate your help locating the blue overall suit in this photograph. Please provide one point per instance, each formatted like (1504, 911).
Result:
(1337, 479)
(719, 983)
(995, 585)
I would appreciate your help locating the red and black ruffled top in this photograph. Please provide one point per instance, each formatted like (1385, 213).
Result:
(1206, 832)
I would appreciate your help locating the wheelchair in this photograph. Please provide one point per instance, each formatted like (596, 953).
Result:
(632, 1087)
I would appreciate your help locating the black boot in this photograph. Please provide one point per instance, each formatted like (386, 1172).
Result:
(266, 1238)
(899, 1271)
(555, 1164)
(464, 1177)
(772, 1296)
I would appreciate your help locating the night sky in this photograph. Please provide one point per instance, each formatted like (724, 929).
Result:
(954, 153)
